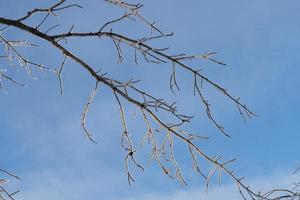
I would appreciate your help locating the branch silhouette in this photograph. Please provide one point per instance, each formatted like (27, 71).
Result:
(150, 106)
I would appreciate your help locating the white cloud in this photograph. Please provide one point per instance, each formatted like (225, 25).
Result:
(49, 185)
(264, 184)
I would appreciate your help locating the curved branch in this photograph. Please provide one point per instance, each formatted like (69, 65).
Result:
(171, 131)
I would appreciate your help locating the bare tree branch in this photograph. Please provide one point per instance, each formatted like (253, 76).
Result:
(150, 106)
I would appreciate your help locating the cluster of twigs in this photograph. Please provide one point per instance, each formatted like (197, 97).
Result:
(14, 56)
(4, 193)
(150, 107)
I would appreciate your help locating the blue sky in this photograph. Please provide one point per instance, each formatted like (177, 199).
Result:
(259, 41)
